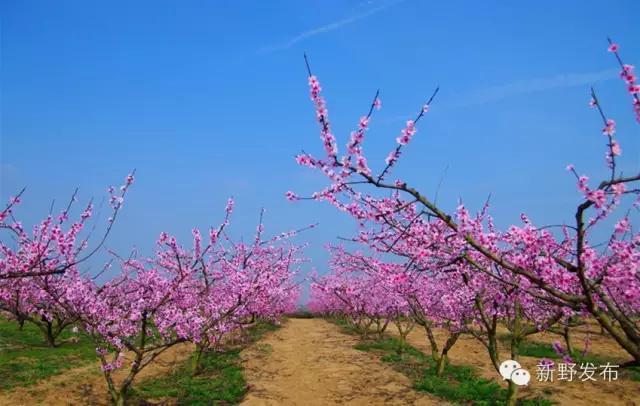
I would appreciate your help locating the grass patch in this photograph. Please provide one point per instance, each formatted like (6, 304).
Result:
(459, 384)
(301, 314)
(536, 349)
(632, 373)
(393, 349)
(259, 330)
(265, 349)
(25, 358)
(221, 381)
(345, 325)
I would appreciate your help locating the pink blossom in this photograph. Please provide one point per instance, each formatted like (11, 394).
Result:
(619, 189)
(582, 183)
(392, 157)
(622, 226)
(597, 196)
(407, 133)
(615, 148)
(610, 128)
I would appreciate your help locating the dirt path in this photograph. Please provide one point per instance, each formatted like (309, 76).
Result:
(310, 362)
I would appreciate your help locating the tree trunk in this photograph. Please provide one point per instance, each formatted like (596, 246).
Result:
(442, 362)
(444, 358)
(46, 327)
(567, 340)
(365, 329)
(49, 336)
(512, 394)
(494, 352)
(196, 361)
(516, 339)
(126, 385)
(122, 397)
(435, 352)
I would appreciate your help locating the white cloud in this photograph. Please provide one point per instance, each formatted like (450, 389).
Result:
(499, 92)
(495, 93)
(325, 28)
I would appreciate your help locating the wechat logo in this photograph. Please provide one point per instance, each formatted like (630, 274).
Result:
(513, 371)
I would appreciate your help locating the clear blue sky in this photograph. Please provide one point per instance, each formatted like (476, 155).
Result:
(209, 100)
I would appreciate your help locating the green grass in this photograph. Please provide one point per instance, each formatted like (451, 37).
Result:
(537, 349)
(220, 382)
(345, 326)
(459, 384)
(632, 373)
(259, 330)
(302, 314)
(391, 347)
(26, 359)
(533, 349)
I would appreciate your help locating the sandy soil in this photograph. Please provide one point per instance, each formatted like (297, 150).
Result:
(310, 362)
(86, 385)
(468, 351)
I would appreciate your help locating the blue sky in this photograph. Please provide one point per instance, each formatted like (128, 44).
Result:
(209, 100)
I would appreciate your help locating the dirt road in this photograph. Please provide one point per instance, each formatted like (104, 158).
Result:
(310, 362)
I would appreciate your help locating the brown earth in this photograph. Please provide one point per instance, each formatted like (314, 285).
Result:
(310, 362)
(468, 351)
(306, 362)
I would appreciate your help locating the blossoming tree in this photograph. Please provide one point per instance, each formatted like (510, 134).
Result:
(541, 275)
(34, 266)
(199, 295)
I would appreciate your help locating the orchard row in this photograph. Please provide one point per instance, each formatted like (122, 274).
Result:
(415, 262)
(204, 295)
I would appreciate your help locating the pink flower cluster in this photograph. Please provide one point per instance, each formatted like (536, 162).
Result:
(627, 74)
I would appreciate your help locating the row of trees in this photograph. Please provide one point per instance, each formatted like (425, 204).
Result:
(203, 294)
(457, 271)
